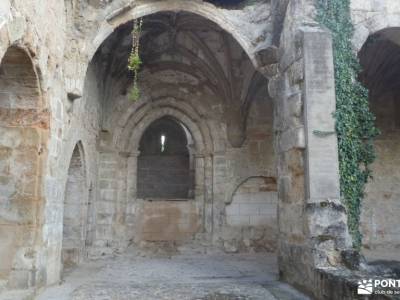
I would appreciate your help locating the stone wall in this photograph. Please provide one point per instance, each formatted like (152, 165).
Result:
(286, 90)
(164, 177)
(88, 107)
(379, 58)
(371, 16)
(107, 208)
(249, 179)
(75, 120)
(312, 220)
(230, 126)
(208, 79)
(254, 203)
(23, 129)
(75, 211)
(380, 208)
(253, 212)
(167, 221)
(165, 170)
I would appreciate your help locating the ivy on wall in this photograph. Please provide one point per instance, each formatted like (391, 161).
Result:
(354, 121)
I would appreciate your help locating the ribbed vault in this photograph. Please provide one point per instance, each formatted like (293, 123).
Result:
(188, 52)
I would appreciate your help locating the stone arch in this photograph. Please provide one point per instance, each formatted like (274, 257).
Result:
(23, 128)
(238, 183)
(382, 20)
(130, 12)
(27, 41)
(380, 61)
(192, 127)
(18, 58)
(75, 209)
(4, 41)
(129, 137)
(116, 14)
(137, 122)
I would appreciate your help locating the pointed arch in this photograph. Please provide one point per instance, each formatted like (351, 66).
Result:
(75, 210)
(23, 128)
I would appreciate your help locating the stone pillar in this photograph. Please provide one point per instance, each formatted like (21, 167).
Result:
(200, 187)
(131, 179)
(327, 220)
(107, 205)
(206, 166)
(121, 239)
(286, 88)
(219, 184)
(131, 193)
(312, 220)
(326, 216)
(322, 165)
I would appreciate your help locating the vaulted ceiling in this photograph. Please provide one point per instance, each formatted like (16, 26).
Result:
(190, 45)
(380, 61)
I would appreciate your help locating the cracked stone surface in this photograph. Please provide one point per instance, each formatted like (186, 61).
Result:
(194, 277)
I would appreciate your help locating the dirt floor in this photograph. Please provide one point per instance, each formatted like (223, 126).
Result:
(193, 277)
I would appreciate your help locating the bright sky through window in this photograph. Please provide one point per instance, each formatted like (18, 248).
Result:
(163, 139)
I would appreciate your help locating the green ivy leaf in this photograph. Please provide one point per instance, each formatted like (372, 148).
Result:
(354, 121)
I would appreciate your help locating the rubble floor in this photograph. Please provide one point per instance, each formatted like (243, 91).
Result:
(179, 277)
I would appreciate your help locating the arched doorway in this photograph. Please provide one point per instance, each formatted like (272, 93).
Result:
(22, 127)
(380, 60)
(75, 211)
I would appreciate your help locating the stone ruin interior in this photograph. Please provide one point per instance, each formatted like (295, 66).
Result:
(213, 178)
(380, 57)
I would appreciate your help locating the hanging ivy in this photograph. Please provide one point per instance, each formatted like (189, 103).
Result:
(134, 61)
(354, 121)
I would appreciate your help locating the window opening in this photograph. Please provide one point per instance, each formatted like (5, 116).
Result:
(163, 140)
